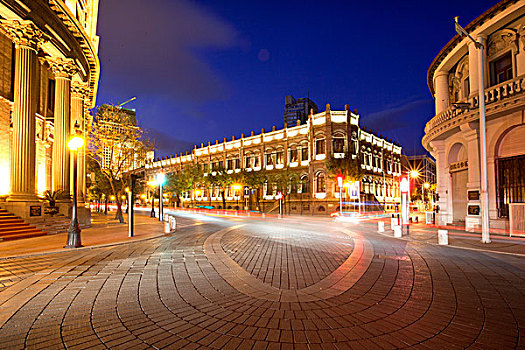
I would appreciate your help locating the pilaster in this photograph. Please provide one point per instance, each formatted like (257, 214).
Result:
(26, 37)
(63, 70)
(441, 96)
(78, 95)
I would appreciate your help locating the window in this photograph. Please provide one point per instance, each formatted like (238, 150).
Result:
(269, 159)
(255, 161)
(236, 163)
(320, 183)
(501, 69)
(304, 184)
(293, 155)
(304, 153)
(51, 96)
(279, 157)
(319, 146)
(229, 164)
(338, 145)
(466, 87)
(511, 183)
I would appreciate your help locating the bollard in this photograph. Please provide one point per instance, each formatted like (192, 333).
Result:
(397, 232)
(167, 227)
(443, 237)
(173, 223)
(380, 226)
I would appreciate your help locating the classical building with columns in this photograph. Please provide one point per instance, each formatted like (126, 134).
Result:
(50, 70)
(304, 149)
(452, 136)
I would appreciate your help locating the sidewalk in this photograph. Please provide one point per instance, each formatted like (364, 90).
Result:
(104, 230)
(460, 239)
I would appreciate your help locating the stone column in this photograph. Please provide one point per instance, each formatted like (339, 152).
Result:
(78, 95)
(63, 70)
(441, 94)
(26, 37)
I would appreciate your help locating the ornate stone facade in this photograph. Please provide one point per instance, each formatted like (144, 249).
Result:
(302, 149)
(452, 135)
(55, 47)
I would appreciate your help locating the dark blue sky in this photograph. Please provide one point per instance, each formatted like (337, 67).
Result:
(205, 70)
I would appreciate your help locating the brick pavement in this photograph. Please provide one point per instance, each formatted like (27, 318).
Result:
(245, 284)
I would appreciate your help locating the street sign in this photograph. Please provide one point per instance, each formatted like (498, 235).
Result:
(246, 191)
(354, 190)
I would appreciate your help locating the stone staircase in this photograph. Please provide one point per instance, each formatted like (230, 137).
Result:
(12, 227)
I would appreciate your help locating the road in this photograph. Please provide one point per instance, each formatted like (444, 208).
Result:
(238, 283)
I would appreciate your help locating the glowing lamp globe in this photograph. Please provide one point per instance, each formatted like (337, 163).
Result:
(75, 143)
(161, 178)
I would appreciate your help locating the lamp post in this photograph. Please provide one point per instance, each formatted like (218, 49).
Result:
(485, 234)
(73, 233)
(152, 184)
(161, 179)
(340, 184)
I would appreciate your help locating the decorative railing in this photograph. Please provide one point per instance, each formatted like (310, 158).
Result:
(493, 94)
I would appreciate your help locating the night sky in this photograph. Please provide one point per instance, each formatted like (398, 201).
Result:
(205, 70)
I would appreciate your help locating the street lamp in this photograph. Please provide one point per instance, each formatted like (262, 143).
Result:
(73, 233)
(161, 179)
(485, 235)
(235, 188)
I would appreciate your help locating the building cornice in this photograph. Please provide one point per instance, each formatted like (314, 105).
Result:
(456, 40)
(86, 45)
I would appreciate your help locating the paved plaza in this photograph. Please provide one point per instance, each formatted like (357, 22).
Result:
(253, 283)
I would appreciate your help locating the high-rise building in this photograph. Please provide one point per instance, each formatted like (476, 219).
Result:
(298, 109)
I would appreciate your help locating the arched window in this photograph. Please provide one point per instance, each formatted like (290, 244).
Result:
(320, 183)
(319, 145)
(304, 184)
(338, 143)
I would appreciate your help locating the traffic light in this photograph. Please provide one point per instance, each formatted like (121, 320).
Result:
(340, 179)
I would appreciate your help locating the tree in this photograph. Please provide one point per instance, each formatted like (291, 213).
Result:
(117, 144)
(350, 168)
(284, 180)
(222, 179)
(186, 180)
(255, 180)
(98, 184)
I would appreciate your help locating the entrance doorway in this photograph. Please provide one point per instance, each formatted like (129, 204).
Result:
(459, 195)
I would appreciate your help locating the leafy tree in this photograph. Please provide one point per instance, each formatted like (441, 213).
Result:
(284, 180)
(188, 179)
(221, 179)
(117, 144)
(255, 180)
(350, 168)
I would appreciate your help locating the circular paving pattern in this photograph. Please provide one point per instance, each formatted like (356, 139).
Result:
(251, 284)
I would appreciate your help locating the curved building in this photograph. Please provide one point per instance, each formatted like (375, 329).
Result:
(50, 70)
(452, 135)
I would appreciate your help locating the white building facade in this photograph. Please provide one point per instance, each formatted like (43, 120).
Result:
(452, 136)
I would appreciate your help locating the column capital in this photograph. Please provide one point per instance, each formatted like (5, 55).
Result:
(24, 33)
(62, 67)
(79, 90)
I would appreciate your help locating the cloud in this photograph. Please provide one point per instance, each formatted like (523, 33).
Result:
(155, 46)
(396, 117)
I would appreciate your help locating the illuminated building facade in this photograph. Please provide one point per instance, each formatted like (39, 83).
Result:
(452, 135)
(302, 149)
(50, 70)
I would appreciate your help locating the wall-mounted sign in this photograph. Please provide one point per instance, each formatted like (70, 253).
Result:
(354, 190)
(473, 210)
(35, 210)
(473, 195)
